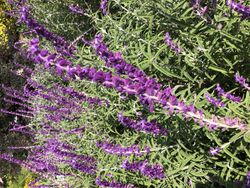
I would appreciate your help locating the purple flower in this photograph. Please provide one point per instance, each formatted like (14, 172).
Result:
(155, 171)
(81, 96)
(119, 150)
(62, 65)
(83, 166)
(33, 46)
(214, 151)
(112, 184)
(229, 96)
(200, 11)
(63, 153)
(104, 7)
(248, 180)
(142, 125)
(15, 94)
(195, 3)
(75, 130)
(214, 101)
(22, 129)
(171, 44)
(11, 101)
(60, 44)
(115, 60)
(76, 9)
(16, 114)
(36, 166)
(240, 8)
(149, 92)
(242, 81)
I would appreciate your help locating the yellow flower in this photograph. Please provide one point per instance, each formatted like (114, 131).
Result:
(3, 35)
(28, 180)
(6, 26)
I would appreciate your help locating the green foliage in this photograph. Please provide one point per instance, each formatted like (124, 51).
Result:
(56, 16)
(214, 48)
(21, 180)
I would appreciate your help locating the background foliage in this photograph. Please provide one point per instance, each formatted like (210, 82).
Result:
(214, 49)
(7, 29)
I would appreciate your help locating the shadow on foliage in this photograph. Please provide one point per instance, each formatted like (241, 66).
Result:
(217, 182)
(58, 18)
(9, 172)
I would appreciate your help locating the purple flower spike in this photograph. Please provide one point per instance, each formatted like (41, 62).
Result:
(242, 81)
(112, 184)
(171, 44)
(214, 151)
(36, 166)
(147, 90)
(61, 45)
(200, 11)
(229, 96)
(104, 7)
(248, 180)
(214, 101)
(119, 150)
(240, 8)
(142, 125)
(115, 60)
(76, 9)
(195, 3)
(155, 171)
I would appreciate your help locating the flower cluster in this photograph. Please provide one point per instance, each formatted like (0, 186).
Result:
(64, 153)
(248, 179)
(76, 9)
(200, 11)
(64, 103)
(22, 71)
(238, 7)
(155, 171)
(17, 98)
(104, 7)
(119, 150)
(214, 151)
(112, 184)
(15, 94)
(242, 81)
(142, 125)
(16, 113)
(45, 159)
(214, 101)
(138, 81)
(147, 92)
(60, 44)
(171, 44)
(22, 129)
(41, 167)
(229, 96)
(115, 60)
(53, 157)
(61, 107)
(81, 96)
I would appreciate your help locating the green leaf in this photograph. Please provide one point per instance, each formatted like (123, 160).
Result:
(218, 69)
(167, 72)
(236, 137)
(230, 36)
(247, 136)
(198, 174)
